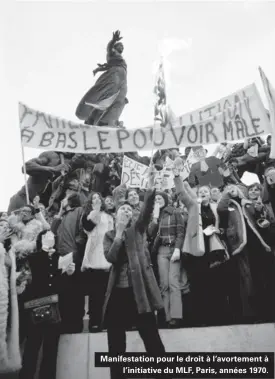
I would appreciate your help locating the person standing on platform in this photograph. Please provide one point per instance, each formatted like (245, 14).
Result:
(132, 294)
(67, 226)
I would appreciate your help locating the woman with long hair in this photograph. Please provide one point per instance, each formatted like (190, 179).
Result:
(96, 222)
(168, 230)
(110, 205)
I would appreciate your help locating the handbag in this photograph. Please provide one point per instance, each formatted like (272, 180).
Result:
(44, 310)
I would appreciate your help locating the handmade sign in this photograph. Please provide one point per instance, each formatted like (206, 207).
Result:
(135, 175)
(235, 117)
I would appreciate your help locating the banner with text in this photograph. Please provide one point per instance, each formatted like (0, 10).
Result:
(235, 117)
(135, 175)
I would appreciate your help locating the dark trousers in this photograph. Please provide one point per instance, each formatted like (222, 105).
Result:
(72, 310)
(121, 314)
(36, 336)
(23, 320)
(95, 285)
(209, 292)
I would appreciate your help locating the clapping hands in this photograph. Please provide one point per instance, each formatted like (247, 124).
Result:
(122, 222)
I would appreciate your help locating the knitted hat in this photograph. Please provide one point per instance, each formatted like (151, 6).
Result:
(164, 196)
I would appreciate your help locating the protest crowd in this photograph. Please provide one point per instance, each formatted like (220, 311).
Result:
(209, 245)
(133, 242)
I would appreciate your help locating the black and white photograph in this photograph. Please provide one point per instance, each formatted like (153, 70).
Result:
(137, 206)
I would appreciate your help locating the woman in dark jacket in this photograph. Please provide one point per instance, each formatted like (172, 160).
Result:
(168, 228)
(132, 295)
(47, 282)
(251, 257)
(207, 271)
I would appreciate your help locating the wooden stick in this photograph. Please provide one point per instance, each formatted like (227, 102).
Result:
(25, 172)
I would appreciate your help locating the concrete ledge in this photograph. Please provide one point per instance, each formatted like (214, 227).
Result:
(76, 352)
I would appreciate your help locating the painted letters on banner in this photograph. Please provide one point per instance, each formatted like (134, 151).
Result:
(238, 116)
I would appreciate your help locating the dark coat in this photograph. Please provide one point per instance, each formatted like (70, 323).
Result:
(232, 219)
(145, 287)
(46, 278)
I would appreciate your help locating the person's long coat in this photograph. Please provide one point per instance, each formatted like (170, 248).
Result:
(10, 359)
(145, 287)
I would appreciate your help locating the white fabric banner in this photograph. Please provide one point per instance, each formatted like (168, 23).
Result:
(270, 94)
(235, 117)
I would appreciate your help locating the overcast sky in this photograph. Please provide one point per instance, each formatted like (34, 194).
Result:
(51, 48)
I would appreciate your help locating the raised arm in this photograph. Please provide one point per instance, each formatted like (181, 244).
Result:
(40, 217)
(146, 210)
(222, 209)
(38, 165)
(111, 44)
(112, 247)
(41, 164)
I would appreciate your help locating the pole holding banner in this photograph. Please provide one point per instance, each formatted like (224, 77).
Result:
(270, 94)
(23, 160)
(159, 112)
(25, 172)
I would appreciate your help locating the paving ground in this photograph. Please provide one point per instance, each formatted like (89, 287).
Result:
(76, 352)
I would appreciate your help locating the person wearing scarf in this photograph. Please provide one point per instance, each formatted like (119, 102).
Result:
(252, 261)
(263, 214)
(168, 230)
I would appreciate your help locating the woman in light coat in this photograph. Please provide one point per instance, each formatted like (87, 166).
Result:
(96, 222)
(10, 359)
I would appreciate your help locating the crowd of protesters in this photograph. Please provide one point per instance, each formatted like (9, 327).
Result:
(199, 254)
